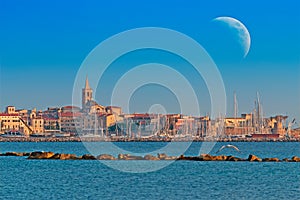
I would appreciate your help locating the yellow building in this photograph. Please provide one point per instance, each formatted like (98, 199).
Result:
(10, 110)
(109, 120)
(14, 123)
(239, 126)
(23, 121)
(37, 125)
(9, 122)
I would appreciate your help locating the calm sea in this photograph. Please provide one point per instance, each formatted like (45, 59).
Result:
(78, 179)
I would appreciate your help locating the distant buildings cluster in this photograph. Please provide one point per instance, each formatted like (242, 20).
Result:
(93, 119)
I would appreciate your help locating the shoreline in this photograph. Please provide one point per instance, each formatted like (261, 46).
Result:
(96, 139)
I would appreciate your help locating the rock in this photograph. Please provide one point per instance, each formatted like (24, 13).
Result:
(181, 157)
(163, 156)
(150, 157)
(253, 158)
(171, 158)
(63, 156)
(105, 157)
(270, 160)
(87, 157)
(286, 160)
(206, 157)
(40, 155)
(13, 154)
(235, 159)
(123, 156)
(295, 159)
(26, 154)
(129, 157)
(219, 158)
(193, 158)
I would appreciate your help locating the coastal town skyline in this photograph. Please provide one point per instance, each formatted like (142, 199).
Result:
(94, 120)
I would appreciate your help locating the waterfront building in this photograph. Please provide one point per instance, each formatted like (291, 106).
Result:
(277, 125)
(11, 121)
(51, 124)
(70, 122)
(37, 124)
(239, 126)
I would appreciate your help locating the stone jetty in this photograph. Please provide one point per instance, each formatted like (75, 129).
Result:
(41, 155)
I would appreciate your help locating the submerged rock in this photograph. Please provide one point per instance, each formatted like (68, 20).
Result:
(14, 154)
(40, 155)
(253, 158)
(105, 157)
(270, 160)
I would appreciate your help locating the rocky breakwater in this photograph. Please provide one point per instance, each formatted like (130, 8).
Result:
(208, 157)
(40, 155)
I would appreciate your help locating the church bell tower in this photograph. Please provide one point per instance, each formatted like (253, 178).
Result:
(87, 93)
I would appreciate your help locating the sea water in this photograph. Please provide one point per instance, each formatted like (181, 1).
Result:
(90, 179)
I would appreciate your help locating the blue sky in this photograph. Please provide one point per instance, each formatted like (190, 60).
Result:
(43, 44)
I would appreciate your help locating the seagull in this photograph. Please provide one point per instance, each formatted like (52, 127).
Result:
(228, 146)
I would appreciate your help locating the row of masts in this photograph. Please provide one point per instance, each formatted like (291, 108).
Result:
(257, 114)
(161, 125)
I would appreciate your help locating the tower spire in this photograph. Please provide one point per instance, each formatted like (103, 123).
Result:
(87, 85)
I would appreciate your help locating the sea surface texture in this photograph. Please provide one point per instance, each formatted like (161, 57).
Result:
(91, 179)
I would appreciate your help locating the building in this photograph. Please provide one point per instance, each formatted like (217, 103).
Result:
(239, 126)
(115, 110)
(37, 124)
(70, 122)
(11, 121)
(277, 125)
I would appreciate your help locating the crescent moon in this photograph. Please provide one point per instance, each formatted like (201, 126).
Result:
(243, 33)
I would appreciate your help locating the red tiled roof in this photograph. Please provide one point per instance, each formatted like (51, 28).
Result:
(70, 107)
(70, 114)
(6, 114)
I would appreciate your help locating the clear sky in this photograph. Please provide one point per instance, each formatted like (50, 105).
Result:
(43, 44)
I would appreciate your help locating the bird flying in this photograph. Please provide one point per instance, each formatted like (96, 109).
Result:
(228, 146)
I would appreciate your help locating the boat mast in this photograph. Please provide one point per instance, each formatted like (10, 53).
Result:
(235, 106)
